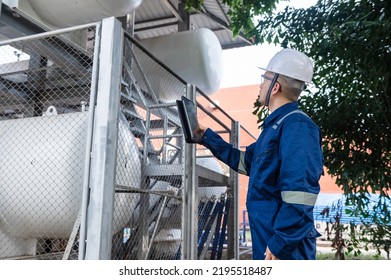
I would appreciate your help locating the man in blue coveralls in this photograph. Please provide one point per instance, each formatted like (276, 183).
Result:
(284, 165)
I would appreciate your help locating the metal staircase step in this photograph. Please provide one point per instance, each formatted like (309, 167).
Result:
(131, 114)
(137, 132)
(128, 98)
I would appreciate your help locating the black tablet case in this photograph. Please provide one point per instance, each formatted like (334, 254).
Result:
(188, 115)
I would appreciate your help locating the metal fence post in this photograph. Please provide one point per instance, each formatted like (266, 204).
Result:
(104, 145)
(233, 190)
(190, 195)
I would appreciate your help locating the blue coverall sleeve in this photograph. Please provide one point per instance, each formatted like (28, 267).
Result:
(301, 168)
(225, 151)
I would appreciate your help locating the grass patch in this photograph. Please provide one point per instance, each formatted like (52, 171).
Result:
(331, 256)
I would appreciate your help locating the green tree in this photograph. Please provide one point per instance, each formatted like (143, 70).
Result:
(350, 42)
(241, 13)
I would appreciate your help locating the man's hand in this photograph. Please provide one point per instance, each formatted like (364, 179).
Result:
(199, 132)
(269, 255)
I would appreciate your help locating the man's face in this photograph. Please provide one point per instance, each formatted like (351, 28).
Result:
(266, 79)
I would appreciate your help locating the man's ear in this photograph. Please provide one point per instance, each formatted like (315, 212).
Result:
(276, 88)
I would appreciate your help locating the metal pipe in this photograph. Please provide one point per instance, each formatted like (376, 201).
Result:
(207, 230)
(156, 227)
(223, 228)
(220, 206)
(48, 33)
(147, 191)
(213, 117)
(164, 136)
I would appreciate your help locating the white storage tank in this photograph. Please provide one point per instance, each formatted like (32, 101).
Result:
(66, 13)
(195, 55)
(41, 174)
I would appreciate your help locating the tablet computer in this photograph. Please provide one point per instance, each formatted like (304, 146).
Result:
(188, 115)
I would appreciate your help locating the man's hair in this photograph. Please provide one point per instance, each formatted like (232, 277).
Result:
(291, 87)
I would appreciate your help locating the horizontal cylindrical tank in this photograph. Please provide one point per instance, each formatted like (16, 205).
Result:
(42, 170)
(66, 13)
(195, 55)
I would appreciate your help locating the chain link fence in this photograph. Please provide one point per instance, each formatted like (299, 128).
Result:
(47, 101)
(45, 84)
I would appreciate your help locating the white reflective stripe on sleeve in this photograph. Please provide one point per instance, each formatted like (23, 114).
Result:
(295, 197)
(242, 165)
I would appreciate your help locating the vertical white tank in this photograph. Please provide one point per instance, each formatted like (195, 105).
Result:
(41, 174)
(195, 55)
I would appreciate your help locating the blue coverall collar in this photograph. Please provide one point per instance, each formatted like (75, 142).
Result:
(281, 111)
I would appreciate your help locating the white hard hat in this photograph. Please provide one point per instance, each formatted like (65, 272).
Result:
(291, 63)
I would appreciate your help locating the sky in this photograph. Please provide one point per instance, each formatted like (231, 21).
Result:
(240, 65)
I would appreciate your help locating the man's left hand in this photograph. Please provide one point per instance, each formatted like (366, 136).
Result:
(269, 255)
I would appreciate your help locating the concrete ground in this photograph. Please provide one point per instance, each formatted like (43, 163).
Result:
(323, 247)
